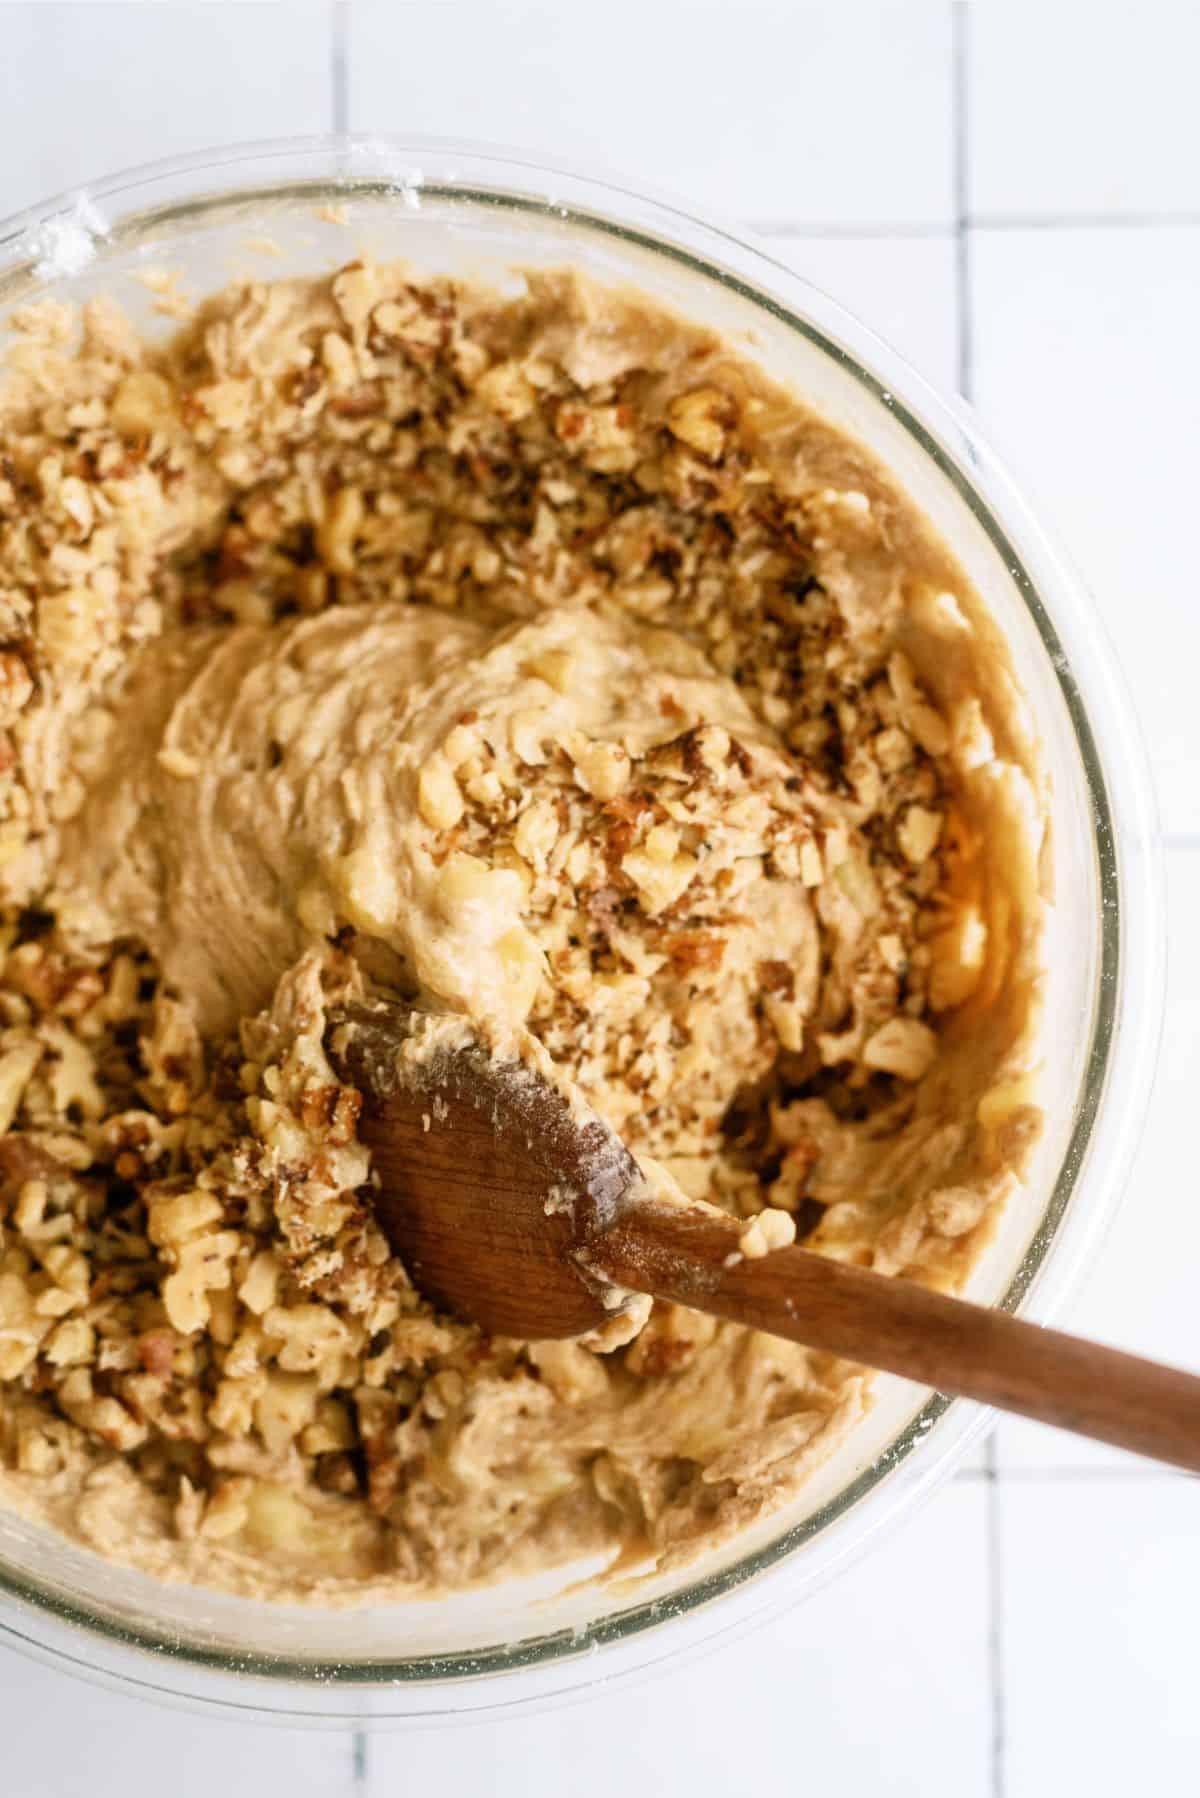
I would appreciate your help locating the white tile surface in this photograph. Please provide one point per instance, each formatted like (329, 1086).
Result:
(64, 1739)
(903, 287)
(1086, 365)
(1083, 107)
(1141, 1292)
(89, 89)
(748, 112)
(1102, 1584)
(901, 1640)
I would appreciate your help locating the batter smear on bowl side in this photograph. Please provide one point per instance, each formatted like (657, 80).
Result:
(536, 660)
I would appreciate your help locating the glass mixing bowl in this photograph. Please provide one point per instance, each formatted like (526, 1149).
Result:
(303, 206)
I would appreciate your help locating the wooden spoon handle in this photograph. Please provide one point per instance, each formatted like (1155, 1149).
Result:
(683, 1253)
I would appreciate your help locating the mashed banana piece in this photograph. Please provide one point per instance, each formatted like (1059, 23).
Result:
(534, 659)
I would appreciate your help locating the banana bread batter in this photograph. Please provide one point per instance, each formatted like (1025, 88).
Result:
(537, 660)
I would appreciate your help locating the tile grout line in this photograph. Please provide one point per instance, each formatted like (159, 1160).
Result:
(962, 246)
(869, 228)
(873, 230)
(339, 67)
(1085, 221)
(995, 1636)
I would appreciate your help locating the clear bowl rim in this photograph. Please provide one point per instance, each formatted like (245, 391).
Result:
(379, 165)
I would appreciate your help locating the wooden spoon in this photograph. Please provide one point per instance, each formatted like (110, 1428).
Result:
(522, 1212)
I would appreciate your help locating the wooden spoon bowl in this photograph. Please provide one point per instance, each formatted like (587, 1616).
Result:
(490, 1185)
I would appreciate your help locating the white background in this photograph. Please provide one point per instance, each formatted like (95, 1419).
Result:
(1011, 194)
